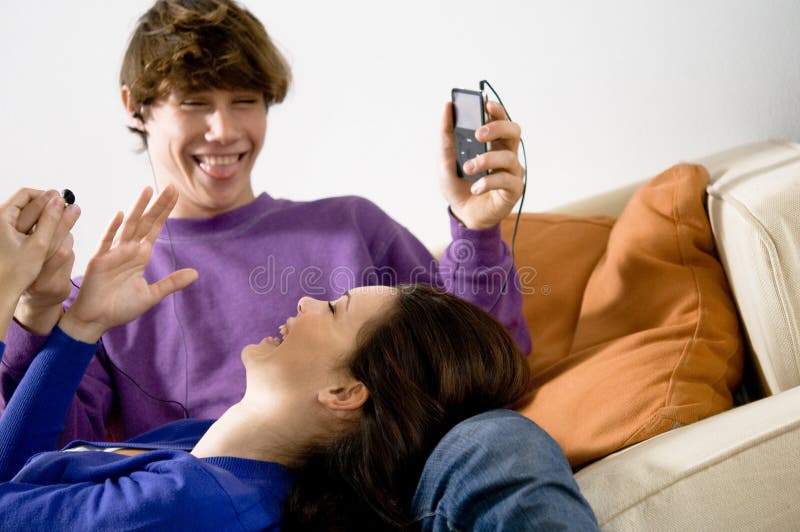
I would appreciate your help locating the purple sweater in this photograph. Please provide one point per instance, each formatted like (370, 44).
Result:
(182, 358)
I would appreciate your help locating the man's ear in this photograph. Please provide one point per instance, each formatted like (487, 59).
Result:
(344, 400)
(135, 119)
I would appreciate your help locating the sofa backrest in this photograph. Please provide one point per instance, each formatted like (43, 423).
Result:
(754, 209)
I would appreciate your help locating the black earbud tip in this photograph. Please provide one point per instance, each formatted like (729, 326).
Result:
(69, 197)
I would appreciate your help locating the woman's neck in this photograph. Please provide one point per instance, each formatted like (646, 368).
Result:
(242, 433)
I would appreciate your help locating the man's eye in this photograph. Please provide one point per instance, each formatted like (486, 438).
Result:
(192, 103)
(331, 308)
(246, 101)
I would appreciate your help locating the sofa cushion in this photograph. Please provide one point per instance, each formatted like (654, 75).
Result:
(648, 338)
(754, 208)
(555, 256)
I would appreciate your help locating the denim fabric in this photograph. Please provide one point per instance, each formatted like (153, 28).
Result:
(499, 471)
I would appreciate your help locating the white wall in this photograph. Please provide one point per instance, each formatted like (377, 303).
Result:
(607, 93)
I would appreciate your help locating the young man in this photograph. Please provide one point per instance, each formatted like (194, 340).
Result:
(197, 81)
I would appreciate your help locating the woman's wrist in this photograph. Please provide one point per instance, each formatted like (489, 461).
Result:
(7, 303)
(37, 320)
(85, 331)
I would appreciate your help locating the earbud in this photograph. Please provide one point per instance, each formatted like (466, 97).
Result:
(69, 197)
(138, 116)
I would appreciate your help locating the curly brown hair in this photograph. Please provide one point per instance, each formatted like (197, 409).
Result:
(430, 362)
(201, 44)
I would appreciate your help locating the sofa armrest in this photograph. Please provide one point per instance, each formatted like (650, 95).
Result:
(738, 470)
(611, 203)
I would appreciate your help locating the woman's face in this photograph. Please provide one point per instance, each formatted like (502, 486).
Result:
(206, 143)
(316, 342)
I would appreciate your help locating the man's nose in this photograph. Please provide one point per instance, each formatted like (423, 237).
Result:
(222, 127)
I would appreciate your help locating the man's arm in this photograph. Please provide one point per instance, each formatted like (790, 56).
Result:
(474, 267)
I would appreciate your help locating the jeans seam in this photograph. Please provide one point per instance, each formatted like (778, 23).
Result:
(440, 514)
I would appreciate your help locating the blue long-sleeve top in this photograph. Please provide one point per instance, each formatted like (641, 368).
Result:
(164, 489)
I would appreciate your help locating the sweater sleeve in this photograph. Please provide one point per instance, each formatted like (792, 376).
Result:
(21, 348)
(34, 417)
(87, 414)
(159, 490)
(476, 266)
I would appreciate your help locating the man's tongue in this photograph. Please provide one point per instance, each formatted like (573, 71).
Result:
(219, 167)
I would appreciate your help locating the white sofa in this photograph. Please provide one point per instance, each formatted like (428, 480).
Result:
(739, 470)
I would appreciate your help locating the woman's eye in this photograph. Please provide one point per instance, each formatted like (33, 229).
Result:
(331, 308)
(246, 101)
(192, 103)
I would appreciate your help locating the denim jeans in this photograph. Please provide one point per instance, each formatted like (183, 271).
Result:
(499, 471)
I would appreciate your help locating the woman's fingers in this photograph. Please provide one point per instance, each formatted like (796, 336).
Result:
(30, 203)
(173, 282)
(107, 239)
(134, 216)
(45, 228)
(157, 213)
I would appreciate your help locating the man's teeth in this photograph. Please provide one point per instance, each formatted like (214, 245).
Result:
(282, 330)
(218, 160)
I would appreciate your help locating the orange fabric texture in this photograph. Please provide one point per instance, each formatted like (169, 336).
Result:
(634, 328)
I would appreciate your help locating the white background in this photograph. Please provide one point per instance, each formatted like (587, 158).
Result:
(607, 93)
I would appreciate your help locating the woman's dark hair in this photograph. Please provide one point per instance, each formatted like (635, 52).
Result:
(430, 362)
(198, 45)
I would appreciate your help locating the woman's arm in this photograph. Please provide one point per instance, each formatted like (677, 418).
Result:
(34, 417)
(158, 490)
(22, 253)
(113, 292)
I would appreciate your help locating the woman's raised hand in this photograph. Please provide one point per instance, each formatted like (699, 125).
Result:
(114, 290)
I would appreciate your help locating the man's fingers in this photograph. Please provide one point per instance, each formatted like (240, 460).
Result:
(446, 130)
(500, 130)
(496, 161)
(501, 181)
(496, 111)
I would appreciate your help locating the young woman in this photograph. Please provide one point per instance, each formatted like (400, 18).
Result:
(197, 82)
(350, 402)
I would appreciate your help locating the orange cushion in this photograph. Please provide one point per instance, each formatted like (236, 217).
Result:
(634, 328)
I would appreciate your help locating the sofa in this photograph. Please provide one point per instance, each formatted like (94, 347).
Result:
(732, 463)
